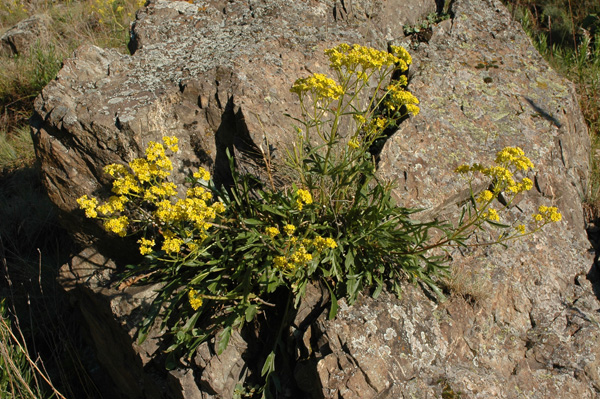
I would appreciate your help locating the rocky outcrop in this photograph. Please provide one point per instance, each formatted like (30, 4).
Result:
(22, 37)
(215, 74)
(520, 321)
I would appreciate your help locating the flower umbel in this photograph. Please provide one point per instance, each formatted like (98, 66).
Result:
(272, 231)
(195, 299)
(318, 84)
(303, 198)
(88, 205)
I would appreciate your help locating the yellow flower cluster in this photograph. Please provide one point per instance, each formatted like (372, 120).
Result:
(155, 153)
(303, 198)
(192, 209)
(509, 160)
(160, 191)
(514, 156)
(172, 245)
(13, 6)
(110, 9)
(485, 196)
(491, 214)
(318, 84)
(272, 231)
(117, 225)
(403, 55)
(145, 185)
(300, 256)
(547, 214)
(113, 205)
(146, 245)
(126, 185)
(398, 97)
(202, 174)
(354, 144)
(357, 58)
(195, 299)
(289, 229)
(89, 205)
(502, 177)
(375, 127)
(321, 243)
(141, 168)
(156, 166)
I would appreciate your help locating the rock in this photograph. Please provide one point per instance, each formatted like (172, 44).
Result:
(183, 384)
(215, 75)
(22, 37)
(523, 321)
(482, 87)
(112, 316)
(221, 373)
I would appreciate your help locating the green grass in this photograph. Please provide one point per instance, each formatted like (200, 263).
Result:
(16, 150)
(567, 34)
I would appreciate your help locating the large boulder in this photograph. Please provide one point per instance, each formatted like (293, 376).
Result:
(519, 322)
(215, 74)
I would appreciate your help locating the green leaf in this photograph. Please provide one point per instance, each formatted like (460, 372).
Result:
(142, 335)
(273, 283)
(273, 210)
(353, 284)
(224, 340)
(349, 261)
(251, 313)
(269, 365)
(334, 304)
(496, 224)
(254, 222)
(379, 287)
(171, 361)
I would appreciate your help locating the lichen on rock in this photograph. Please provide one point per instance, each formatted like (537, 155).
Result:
(216, 74)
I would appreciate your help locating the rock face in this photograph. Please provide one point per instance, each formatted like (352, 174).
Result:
(19, 39)
(215, 74)
(522, 321)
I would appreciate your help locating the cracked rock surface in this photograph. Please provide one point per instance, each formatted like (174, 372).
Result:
(522, 321)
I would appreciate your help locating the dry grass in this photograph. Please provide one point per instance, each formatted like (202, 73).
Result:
(32, 244)
(469, 281)
(104, 23)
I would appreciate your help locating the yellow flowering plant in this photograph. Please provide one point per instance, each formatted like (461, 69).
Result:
(115, 14)
(227, 256)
